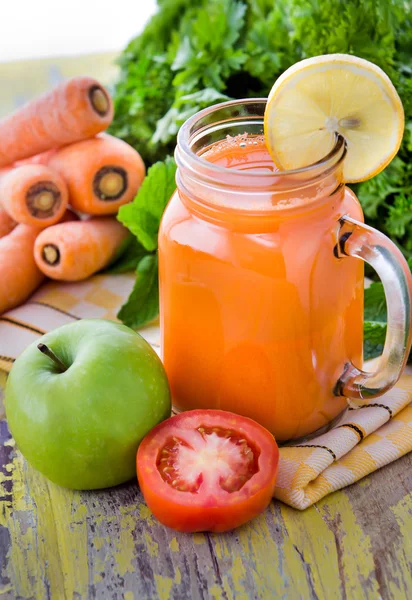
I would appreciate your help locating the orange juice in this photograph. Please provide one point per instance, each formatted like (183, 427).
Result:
(259, 315)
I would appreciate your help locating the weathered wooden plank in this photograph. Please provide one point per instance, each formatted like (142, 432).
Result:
(382, 505)
(353, 544)
(61, 544)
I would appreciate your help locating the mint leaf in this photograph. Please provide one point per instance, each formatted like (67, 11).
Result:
(375, 323)
(374, 338)
(375, 303)
(374, 326)
(142, 216)
(127, 257)
(143, 303)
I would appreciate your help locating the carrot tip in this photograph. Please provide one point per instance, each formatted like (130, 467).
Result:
(99, 100)
(110, 183)
(51, 254)
(43, 199)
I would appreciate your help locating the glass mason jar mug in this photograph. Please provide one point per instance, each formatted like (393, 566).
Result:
(261, 281)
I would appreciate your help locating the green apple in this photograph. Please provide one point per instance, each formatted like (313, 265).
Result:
(79, 406)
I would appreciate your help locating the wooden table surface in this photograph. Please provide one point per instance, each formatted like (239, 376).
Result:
(60, 544)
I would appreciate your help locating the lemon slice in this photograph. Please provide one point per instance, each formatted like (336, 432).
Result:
(335, 93)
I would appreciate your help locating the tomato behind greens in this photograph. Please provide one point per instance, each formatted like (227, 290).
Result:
(207, 470)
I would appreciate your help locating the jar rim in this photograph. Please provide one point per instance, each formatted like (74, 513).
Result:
(188, 133)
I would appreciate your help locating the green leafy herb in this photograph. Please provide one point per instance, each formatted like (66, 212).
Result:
(374, 339)
(142, 218)
(143, 303)
(375, 303)
(375, 323)
(374, 328)
(127, 257)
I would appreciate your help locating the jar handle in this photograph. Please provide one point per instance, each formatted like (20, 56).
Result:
(361, 241)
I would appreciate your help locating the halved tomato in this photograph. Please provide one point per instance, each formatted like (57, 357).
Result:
(207, 470)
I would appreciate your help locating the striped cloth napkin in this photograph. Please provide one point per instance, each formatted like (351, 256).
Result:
(56, 304)
(364, 440)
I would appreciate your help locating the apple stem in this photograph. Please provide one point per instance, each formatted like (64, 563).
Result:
(46, 350)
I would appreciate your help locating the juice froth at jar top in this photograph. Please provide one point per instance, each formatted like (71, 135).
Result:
(259, 316)
(242, 152)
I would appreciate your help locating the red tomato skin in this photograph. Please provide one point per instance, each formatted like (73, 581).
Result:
(185, 512)
(193, 519)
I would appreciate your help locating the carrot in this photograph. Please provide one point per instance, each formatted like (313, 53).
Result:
(19, 273)
(69, 215)
(6, 223)
(102, 173)
(37, 159)
(74, 251)
(33, 194)
(75, 110)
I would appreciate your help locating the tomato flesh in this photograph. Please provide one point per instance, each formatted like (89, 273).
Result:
(222, 457)
(207, 470)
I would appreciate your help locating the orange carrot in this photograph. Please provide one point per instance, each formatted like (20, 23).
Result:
(102, 173)
(74, 251)
(37, 159)
(33, 194)
(75, 110)
(69, 215)
(6, 223)
(19, 273)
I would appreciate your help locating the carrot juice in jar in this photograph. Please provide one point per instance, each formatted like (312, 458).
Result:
(261, 292)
